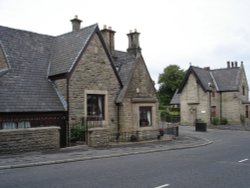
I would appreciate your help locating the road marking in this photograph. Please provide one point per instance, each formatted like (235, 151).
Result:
(165, 185)
(243, 160)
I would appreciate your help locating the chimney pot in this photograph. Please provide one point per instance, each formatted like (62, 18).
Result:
(236, 64)
(76, 23)
(232, 63)
(109, 38)
(133, 42)
(207, 68)
(228, 64)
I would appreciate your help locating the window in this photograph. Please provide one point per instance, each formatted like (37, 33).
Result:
(15, 125)
(9, 125)
(243, 90)
(23, 124)
(213, 111)
(95, 107)
(246, 111)
(145, 116)
(213, 93)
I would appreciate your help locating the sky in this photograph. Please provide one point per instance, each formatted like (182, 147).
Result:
(203, 33)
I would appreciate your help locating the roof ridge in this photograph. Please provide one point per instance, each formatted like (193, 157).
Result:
(70, 32)
(26, 31)
(214, 80)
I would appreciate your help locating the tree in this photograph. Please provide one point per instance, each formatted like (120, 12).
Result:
(169, 81)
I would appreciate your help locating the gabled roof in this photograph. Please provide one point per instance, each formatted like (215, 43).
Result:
(225, 79)
(67, 48)
(33, 57)
(125, 64)
(25, 87)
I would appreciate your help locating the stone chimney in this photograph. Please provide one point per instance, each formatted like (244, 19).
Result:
(76, 24)
(109, 38)
(133, 42)
(236, 64)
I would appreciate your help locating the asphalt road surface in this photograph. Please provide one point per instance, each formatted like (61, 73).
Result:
(223, 164)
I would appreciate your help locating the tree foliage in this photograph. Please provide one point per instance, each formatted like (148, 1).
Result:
(169, 81)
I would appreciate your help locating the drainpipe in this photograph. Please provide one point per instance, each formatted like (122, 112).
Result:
(67, 121)
(118, 121)
(220, 106)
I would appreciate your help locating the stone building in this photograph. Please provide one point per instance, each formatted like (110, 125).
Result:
(222, 93)
(63, 80)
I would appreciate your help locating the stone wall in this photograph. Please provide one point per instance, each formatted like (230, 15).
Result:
(195, 103)
(129, 111)
(29, 140)
(93, 75)
(98, 137)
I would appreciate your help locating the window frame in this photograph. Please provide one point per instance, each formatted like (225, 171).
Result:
(145, 121)
(247, 111)
(99, 100)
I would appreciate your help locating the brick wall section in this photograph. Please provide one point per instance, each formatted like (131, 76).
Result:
(27, 140)
(231, 107)
(98, 137)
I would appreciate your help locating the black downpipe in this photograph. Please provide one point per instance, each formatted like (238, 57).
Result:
(220, 106)
(118, 122)
(67, 121)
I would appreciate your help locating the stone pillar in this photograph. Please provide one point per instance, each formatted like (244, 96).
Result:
(98, 137)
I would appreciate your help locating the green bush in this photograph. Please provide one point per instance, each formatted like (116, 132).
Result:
(163, 115)
(223, 121)
(77, 133)
(215, 121)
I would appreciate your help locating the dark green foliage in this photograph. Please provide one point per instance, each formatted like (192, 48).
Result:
(215, 121)
(77, 133)
(223, 121)
(169, 81)
(218, 121)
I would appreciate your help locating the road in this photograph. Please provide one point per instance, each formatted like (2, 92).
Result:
(223, 164)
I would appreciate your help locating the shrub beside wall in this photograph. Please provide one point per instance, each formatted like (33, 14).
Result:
(31, 139)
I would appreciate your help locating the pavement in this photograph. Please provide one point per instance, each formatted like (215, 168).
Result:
(188, 138)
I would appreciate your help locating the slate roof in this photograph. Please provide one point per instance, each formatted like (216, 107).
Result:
(176, 98)
(227, 79)
(124, 63)
(224, 79)
(25, 87)
(67, 48)
(33, 58)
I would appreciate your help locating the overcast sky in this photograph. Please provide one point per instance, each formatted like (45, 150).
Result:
(203, 32)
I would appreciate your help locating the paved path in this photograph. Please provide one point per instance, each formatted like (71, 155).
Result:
(188, 139)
